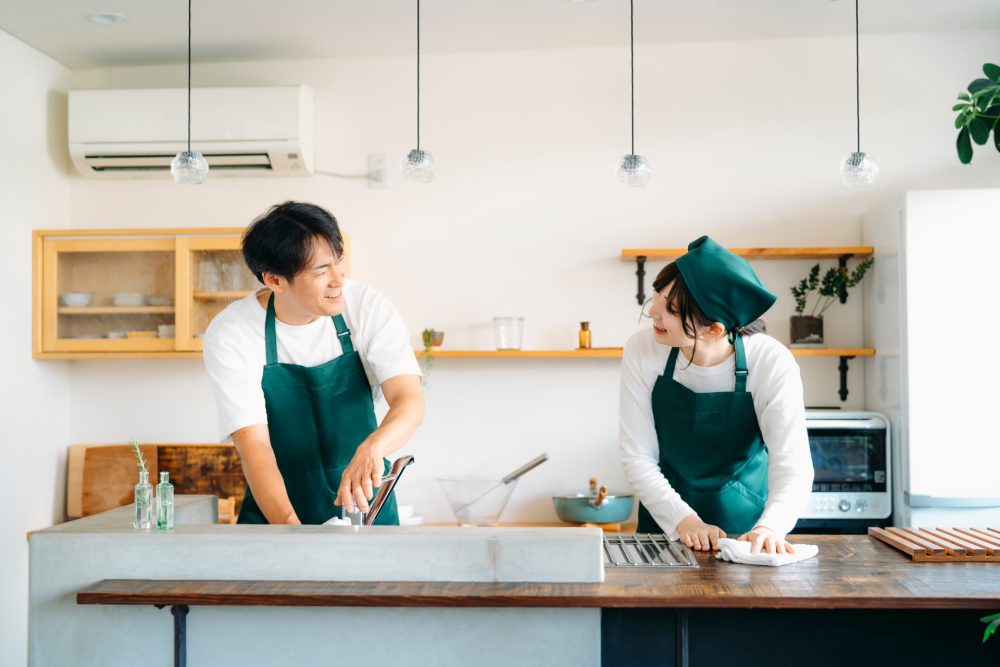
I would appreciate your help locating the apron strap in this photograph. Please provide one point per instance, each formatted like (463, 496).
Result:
(270, 338)
(741, 365)
(343, 333)
(668, 371)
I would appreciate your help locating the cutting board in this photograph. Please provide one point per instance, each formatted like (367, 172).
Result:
(102, 477)
(943, 545)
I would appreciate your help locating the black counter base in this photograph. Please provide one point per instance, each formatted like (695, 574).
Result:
(818, 638)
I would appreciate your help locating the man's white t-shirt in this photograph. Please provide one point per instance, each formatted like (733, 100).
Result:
(235, 352)
(775, 385)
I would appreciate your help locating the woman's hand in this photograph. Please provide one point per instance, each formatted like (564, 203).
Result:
(699, 535)
(762, 537)
(361, 476)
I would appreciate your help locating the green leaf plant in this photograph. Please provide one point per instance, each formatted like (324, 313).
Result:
(836, 280)
(427, 335)
(993, 622)
(978, 113)
(139, 458)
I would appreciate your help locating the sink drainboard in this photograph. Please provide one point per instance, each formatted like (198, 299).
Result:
(646, 550)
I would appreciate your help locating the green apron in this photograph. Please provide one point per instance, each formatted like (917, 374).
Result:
(711, 450)
(316, 418)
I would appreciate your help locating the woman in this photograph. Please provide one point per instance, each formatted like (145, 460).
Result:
(712, 434)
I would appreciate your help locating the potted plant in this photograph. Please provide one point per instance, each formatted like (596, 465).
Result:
(432, 341)
(808, 329)
(978, 113)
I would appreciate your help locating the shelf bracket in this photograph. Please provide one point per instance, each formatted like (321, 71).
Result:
(640, 272)
(843, 377)
(842, 263)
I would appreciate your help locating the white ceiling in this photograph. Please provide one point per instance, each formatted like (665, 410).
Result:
(240, 30)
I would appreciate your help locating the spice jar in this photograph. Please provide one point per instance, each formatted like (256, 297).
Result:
(584, 335)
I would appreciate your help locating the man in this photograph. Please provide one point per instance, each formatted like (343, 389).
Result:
(296, 369)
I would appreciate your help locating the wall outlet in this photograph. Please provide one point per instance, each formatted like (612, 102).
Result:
(378, 170)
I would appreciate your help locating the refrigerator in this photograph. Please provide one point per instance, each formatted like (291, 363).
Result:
(932, 313)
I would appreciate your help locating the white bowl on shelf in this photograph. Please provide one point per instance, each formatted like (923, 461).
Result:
(159, 300)
(76, 299)
(129, 299)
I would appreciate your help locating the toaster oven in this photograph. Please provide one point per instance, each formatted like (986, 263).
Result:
(852, 485)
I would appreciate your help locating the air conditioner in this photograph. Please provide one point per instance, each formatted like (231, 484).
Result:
(240, 131)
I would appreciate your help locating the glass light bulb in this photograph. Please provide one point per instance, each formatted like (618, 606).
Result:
(858, 168)
(189, 168)
(633, 171)
(418, 165)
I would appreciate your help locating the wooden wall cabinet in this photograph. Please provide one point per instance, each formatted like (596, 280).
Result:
(132, 293)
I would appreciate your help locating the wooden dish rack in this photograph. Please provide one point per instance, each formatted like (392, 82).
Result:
(943, 545)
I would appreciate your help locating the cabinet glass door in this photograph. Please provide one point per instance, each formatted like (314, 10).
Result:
(108, 295)
(211, 275)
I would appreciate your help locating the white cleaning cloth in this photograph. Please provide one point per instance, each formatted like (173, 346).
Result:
(738, 551)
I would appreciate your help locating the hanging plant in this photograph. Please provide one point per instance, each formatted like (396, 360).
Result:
(978, 113)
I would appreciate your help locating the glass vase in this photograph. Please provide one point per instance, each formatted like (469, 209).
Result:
(164, 503)
(143, 503)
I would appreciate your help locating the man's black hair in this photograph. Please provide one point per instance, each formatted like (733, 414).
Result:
(281, 240)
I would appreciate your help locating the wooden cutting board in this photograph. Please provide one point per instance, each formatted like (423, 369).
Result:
(102, 477)
(943, 545)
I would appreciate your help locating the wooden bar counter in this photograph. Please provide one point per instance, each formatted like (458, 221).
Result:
(851, 572)
(859, 602)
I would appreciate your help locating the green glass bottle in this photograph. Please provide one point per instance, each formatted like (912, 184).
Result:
(164, 503)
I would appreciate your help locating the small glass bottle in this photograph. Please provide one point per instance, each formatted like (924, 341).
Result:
(143, 503)
(584, 335)
(164, 503)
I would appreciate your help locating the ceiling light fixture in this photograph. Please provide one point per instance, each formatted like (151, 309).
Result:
(418, 165)
(858, 168)
(107, 19)
(633, 170)
(189, 167)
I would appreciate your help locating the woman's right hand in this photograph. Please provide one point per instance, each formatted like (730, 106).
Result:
(699, 535)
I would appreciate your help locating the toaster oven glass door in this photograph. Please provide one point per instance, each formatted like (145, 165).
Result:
(846, 459)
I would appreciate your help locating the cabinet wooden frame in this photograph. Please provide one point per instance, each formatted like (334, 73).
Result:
(49, 244)
(182, 243)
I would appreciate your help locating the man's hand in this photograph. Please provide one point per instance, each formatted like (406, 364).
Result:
(361, 476)
(762, 537)
(699, 535)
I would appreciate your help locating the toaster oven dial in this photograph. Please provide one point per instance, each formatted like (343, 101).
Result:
(844, 505)
(861, 505)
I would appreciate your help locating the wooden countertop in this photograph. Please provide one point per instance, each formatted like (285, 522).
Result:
(851, 572)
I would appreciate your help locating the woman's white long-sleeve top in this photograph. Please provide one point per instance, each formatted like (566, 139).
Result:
(776, 387)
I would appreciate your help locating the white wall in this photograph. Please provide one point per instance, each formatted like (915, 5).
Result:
(34, 396)
(525, 217)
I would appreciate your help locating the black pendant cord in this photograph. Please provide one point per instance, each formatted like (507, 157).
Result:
(418, 75)
(189, 77)
(631, 48)
(857, 74)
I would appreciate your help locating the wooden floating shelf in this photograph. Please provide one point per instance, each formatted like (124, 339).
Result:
(631, 254)
(116, 310)
(220, 296)
(614, 352)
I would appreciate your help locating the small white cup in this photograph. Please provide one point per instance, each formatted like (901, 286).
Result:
(166, 330)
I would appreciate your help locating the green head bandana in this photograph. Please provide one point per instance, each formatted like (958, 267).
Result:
(723, 285)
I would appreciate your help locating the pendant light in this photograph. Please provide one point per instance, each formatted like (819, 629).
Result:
(418, 165)
(632, 169)
(189, 167)
(858, 168)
